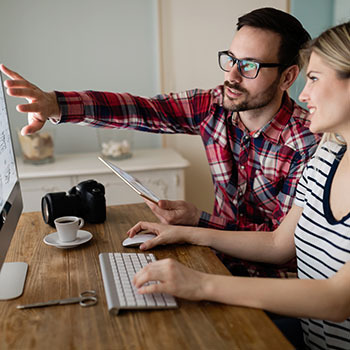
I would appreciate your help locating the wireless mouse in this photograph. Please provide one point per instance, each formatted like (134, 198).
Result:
(138, 239)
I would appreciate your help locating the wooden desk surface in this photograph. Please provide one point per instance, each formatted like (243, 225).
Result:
(59, 273)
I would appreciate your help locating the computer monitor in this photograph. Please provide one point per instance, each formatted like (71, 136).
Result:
(12, 274)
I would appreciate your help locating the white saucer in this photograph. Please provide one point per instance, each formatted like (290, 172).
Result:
(82, 237)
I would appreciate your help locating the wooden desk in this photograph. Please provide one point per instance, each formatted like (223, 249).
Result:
(58, 273)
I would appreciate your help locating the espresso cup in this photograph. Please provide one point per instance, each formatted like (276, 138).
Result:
(67, 227)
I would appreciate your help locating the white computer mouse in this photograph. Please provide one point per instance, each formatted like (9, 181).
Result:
(138, 239)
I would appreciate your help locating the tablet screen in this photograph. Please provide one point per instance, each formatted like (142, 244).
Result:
(131, 181)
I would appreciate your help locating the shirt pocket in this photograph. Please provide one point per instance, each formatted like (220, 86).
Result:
(220, 163)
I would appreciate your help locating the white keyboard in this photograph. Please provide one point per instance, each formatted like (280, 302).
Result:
(118, 270)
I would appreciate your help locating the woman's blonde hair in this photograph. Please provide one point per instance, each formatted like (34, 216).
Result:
(333, 46)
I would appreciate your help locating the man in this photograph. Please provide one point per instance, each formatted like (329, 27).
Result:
(256, 138)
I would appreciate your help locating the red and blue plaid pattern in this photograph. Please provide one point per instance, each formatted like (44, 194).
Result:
(254, 173)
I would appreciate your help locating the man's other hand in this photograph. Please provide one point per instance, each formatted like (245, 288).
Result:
(175, 212)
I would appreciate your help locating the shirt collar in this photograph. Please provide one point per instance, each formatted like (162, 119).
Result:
(273, 129)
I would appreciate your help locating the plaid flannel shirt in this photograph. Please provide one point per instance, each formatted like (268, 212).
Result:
(254, 173)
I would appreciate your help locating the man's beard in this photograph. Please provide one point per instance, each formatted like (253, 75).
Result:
(259, 101)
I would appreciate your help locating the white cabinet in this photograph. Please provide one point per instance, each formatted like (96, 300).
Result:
(161, 170)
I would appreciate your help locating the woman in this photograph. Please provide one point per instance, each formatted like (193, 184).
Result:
(317, 228)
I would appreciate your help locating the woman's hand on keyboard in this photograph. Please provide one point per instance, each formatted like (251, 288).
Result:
(166, 234)
(174, 278)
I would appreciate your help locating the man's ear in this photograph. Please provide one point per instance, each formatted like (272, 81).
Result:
(288, 77)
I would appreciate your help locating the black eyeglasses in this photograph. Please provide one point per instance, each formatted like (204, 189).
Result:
(248, 69)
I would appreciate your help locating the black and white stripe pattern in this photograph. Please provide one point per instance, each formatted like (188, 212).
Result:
(322, 243)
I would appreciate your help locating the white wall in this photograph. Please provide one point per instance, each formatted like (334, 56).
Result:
(106, 45)
(192, 34)
(341, 11)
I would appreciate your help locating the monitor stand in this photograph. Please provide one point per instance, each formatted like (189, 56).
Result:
(12, 279)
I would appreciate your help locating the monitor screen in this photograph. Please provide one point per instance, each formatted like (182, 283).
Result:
(8, 173)
(10, 206)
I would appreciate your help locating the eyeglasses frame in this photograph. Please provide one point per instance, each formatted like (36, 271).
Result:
(238, 62)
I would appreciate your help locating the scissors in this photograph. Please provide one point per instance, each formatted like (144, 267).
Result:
(85, 299)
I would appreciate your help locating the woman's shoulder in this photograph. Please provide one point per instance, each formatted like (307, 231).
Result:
(329, 150)
(324, 156)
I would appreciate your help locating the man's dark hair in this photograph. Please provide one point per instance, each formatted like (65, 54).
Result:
(292, 33)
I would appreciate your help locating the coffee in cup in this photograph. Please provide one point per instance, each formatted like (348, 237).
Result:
(67, 227)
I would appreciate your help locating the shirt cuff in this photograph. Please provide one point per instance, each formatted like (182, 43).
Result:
(71, 106)
(210, 221)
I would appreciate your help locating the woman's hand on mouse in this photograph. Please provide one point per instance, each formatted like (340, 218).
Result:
(166, 234)
(174, 278)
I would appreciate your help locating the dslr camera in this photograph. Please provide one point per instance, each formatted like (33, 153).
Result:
(86, 200)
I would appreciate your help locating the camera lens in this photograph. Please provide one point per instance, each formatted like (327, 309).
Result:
(45, 210)
(54, 205)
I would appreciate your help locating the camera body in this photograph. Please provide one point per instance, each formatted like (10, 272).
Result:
(86, 200)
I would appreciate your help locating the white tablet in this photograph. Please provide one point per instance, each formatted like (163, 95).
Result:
(131, 181)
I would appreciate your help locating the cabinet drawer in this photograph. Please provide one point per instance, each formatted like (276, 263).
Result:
(52, 184)
(33, 190)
